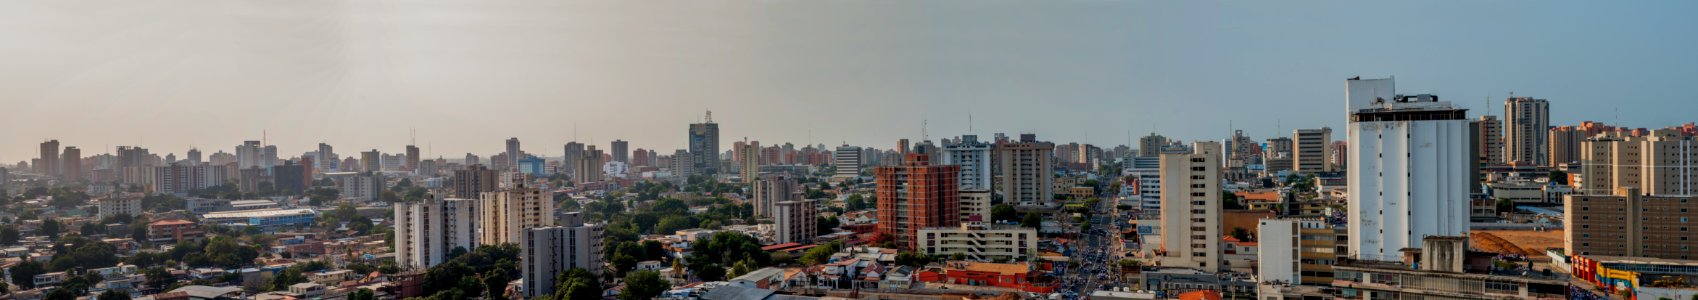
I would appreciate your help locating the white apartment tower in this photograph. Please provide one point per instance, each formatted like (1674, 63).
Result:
(426, 231)
(504, 215)
(1191, 208)
(547, 251)
(974, 157)
(1409, 169)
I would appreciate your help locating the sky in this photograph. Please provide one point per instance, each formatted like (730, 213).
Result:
(466, 75)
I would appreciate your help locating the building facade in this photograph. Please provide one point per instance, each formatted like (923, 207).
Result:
(772, 189)
(1526, 137)
(472, 182)
(548, 251)
(1027, 167)
(505, 214)
(426, 231)
(974, 158)
(1190, 210)
(1313, 150)
(1659, 164)
(795, 221)
(1408, 173)
(704, 144)
(916, 195)
(1630, 223)
(980, 241)
(1491, 141)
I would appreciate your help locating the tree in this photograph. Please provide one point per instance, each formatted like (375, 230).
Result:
(825, 225)
(362, 294)
(711, 273)
(286, 278)
(1032, 220)
(8, 235)
(49, 227)
(1505, 205)
(1560, 177)
(91, 229)
(1004, 212)
(911, 259)
(821, 254)
(1230, 201)
(576, 284)
(23, 274)
(643, 285)
(113, 294)
(1242, 235)
(495, 283)
(855, 202)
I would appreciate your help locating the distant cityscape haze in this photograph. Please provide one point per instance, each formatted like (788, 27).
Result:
(170, 75)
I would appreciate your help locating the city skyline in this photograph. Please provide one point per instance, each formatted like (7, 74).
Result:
(1081, 71)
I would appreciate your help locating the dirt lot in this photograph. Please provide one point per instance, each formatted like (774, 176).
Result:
(1531, 244)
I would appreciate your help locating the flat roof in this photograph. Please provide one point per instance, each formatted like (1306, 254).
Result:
(258, 213)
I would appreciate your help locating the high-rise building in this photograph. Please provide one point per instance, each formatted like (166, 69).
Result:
(621, 150)
(1340, 155)
(371, 161)
(589, 166)
(513, 155)
(847, 159)
(71, 164)
(975, 206)
(974, 158)
(916, 195)
(902, 146)
(1151, 145)
(704, 146)
(1277, 156)
(682, 164)
(412, 163)
(1565, 144)
(1144, 177)
(794, 221)
(769, 190)
(505, 214)
(1526, 138)
(290, 178)
(1297, 251)
(473, 181)
(120, 204)
(1190, 208)
(49, 163)
(1630, 223)
(426, 231)
(248, 154)
(640, 158)
(548, 251)
(574, 153)
(1027, 171)
(194, 156)
(1491, 141)
(1658, 164)
(327, 159)
(1314, 150)
(749, 165)
(1408, 171)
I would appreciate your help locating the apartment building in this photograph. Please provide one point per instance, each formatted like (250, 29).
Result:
(980, 241)
(548, 251)
(1027, 167)
(1630, 223)
(769, 190)
(120, 204)
(1526, 139)
(1190, 210)
(796, 221)
(1658, 164)
(504, 215)
(425, 231)
(1296, 251)
(916, 195)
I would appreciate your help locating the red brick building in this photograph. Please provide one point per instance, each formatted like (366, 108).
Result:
(174, 231)
(1014, 276)
(916, 195)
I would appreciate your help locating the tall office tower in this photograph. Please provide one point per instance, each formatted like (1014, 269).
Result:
(49, 163)
(1150, 145)
(621, 151)
(974, 158)
(794, 221)
(194, 156)
(71, 164)
(549, 251)
(1408, 169)
(473, 181)
(1526, 140)
(902, 146)
(769, 190)
(412, 162)
(749, 165)
(847, 159)
(506, 213)
(327, 158)
(425, 231)
(512, 152)
(1491, 140)
(1027, 167)
(1340, 155)
(371, 161)
(916, 195)
(1314, 150)
(1662, 163)
(248, 155)
(574, 153)
(1190, 208)
(1630, 223)
(589, 166)
(1565, 145)
(704, 145)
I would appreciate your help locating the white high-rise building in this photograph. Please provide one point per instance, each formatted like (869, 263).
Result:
(1191, 208)
(974, 157)
(1408, 171)
(548, 251)
(426, 231)
(504, 215)
(1146, 173)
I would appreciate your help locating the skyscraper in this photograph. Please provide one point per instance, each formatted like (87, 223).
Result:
(473, 181)
(425, 231)
(589, 166)
(749, 165)
(49, 162)
(1565, 144)
(1027, 171)
(71, 164)
(574, 153)
(412, 158)
(621, 150)
(1150, 145)
(1527, 138)
(505, 214)
(1190, 208)
(704, 146)
(513, 153)
(248, 154)
(916, 195)
(1491, 140)
(769, 190)
(194, 156)
(327, 159)
(1314, 150)
(974, 158)
(1408, 171)
(371, 161)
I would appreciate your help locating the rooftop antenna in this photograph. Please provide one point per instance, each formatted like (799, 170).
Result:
(413, 137)
(970, 122)
(923, 136)
(709, 116)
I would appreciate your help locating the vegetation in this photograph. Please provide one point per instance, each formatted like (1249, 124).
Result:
(643, 285)
(710, 257)
(1004, 213)
(822, 253)
(575, 284)
(826, 225)
(465, 275)
(1242, 234)
(856, 202)
(1032, 220)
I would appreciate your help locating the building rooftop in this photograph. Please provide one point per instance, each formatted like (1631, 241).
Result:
(1000, 268)
(259, 213)
(172, 222)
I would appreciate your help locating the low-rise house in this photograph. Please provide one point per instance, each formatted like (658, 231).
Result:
(1019, 276)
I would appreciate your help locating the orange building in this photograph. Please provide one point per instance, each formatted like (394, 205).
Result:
(1015, 276)
(916, 195)
(174, 231)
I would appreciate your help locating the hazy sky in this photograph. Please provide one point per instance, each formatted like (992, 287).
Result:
(358, 74)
